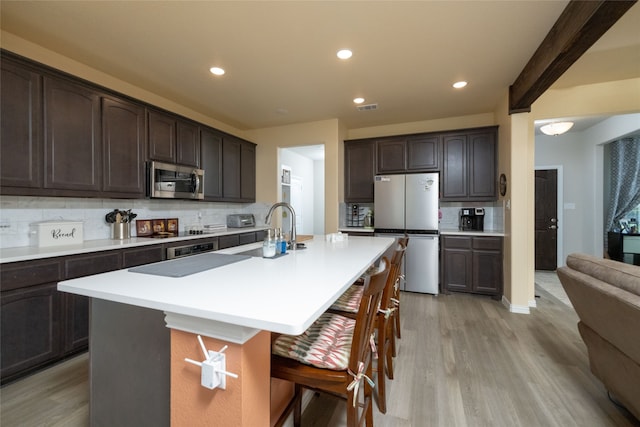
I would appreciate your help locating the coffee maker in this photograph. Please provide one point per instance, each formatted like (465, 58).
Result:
(472, 219)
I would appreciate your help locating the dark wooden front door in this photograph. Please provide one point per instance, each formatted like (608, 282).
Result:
(546, 219)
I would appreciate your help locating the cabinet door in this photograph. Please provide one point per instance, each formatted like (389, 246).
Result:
(72, 137)
(21, 134)
(162, 137)
(482, 166)
(248, 172)
(454, 168)
(390, 156)
(423, 154)
(188, 144)
(487, 272)
(359, 171)
(76, 322)
(124, 139)
(231, 153)
(487, 265)
(457, 269)
(30, 329)
(211, 149)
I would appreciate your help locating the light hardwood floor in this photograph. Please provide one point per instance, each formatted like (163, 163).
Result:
(462, 361)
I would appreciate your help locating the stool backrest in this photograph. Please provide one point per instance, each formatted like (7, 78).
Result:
(374, 284)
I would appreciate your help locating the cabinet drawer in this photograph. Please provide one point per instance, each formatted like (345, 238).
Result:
(140, 256)
(456, 242)
(29, 273)
(229, 241)
(247, 238)
(487, 243)
(95, 263)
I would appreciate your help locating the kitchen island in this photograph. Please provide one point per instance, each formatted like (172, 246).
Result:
(237, 304)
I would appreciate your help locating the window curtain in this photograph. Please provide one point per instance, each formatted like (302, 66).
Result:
(625, 179)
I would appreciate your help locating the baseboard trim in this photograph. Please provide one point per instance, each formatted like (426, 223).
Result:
(519, 309)
(533, 303)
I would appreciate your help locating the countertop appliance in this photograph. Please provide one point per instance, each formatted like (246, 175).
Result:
(471, 219)
(241, 220)
(169, 181)
(409, 204)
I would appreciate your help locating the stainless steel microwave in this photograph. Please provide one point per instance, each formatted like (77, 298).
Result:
(169, 181)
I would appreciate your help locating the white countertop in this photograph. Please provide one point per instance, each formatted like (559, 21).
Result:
(27, 253)
(281, 295)
(457, 232)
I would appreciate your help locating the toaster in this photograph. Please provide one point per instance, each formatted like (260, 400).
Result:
(240, 220)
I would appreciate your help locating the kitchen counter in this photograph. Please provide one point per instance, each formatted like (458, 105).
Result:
(282, 295)
(26, 253)
(457, 232)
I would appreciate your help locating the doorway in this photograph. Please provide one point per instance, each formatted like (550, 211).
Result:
(548, 197)
(304, 186)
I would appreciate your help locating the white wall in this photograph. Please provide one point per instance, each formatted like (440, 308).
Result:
(581, 155)
(304, 168)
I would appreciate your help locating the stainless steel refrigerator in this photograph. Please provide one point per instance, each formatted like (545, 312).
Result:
(409, 204)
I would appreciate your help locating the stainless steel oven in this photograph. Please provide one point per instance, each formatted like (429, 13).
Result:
(169, 181)
(192, 249)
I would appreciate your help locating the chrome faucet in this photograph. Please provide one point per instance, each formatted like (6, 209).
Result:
(292, 235)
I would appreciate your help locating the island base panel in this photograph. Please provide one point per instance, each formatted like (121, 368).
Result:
(129, 366)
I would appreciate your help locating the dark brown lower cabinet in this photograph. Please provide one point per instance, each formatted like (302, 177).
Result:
(472, 264)
(31, 319)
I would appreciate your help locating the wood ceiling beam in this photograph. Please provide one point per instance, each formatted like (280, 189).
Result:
(576, 30)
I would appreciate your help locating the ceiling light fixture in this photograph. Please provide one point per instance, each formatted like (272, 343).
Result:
(358, 100)
(460, 84)
(556, 129)
(217, 71)
(344, 54)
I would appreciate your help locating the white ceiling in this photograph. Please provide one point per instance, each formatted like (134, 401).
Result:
(280, 55)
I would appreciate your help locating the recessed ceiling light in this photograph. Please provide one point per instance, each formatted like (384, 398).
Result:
(459, 85)
(217, 71)
(344, 54)
(358, 100)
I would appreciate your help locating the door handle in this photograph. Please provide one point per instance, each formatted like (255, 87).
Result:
(553, 227)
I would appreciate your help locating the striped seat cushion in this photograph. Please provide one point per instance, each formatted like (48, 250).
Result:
(349, 301)
(325, 344)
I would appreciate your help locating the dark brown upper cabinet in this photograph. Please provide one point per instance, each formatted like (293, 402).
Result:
(469, 161)
(238, 170)
(173, 140)
(20, 121)
(124, 139)
(408, 154)
(359, 171)
(391, 156)
(72, 142)
(423, 153)
(211, 149)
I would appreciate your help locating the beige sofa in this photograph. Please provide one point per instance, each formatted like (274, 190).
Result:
(606, 297)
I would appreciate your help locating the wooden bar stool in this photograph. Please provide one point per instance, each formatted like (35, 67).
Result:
(347, 305)
(334, 355)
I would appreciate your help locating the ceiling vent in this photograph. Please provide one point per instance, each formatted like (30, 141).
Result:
(368, 107)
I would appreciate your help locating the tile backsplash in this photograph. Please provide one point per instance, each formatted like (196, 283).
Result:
(18, 212)
(493, 214)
